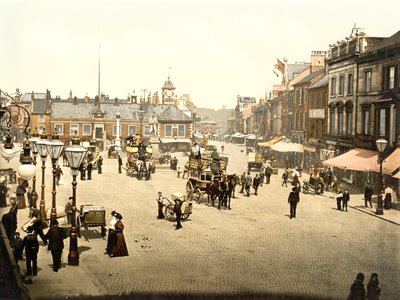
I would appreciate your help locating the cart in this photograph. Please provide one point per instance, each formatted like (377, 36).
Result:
(186, 207)
(315, 183)
(92, 216)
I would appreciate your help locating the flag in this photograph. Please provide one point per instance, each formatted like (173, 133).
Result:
(273, 71)
(281, 66)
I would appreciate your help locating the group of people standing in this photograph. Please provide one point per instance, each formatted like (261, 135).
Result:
(86, 168)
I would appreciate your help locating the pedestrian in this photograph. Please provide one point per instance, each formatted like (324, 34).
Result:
(242, 181)
(89, 169)
(293, 199)
(285, 177)
(111, 234)
(222, 148)
(339, 197)
(345, 199)
(268, 173)
(357, 289)
(186, 170)
(99, 164)
(178, 173)
(55, 237)
(262, 175)
(388, 198)
(18, 247)
(249, 182)
(160, 206)
(37, 224)
(31, 245)
(82, 169)
(68, 210)
(119, 164)
(118, 248)
(178, 213)
(21, 190)
(256, 183)
(197, 152)
(59, 172)
(373, 288)
(368, 192)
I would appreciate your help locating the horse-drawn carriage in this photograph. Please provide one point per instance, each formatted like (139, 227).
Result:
(139, 161)
(315, 183)
(92, 216)
(207, 176)
(112, 151)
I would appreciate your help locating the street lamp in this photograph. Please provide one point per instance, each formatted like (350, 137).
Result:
(75, 155)
(54, 149)
(26, 169)
(41, 145)
(381, 145)
(33, 140)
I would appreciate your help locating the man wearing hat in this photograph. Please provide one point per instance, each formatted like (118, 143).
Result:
(68, 210)
(294, 198)
(31, 245)
(160, 206)
(178, 212)
(56, 235)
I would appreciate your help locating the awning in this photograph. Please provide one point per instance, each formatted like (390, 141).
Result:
(356, 160)
(397, 175)
(271, 142)
(287, 147)
(390, 164)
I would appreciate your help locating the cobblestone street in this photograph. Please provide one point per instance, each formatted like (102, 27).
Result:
(254, 250)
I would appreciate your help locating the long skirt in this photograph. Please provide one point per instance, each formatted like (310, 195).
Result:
(119, 248)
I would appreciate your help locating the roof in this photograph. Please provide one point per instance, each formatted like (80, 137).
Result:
(168, 85)
(295, 69)
(356, 160)
(389, 42)
(322, 82)
(128, 111)
(261, 108)
(311, 76)
(39, 107)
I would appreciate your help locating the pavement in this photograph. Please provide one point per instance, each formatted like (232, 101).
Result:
(253, 251)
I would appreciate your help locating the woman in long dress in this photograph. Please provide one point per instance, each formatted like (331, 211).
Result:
(116, 245)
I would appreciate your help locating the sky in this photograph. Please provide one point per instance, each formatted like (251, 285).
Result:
(212, 50)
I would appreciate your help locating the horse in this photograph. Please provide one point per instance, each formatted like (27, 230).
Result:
(9, 221)
(213, 191)
(233, 180)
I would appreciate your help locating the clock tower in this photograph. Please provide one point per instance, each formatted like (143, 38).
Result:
(168, 92)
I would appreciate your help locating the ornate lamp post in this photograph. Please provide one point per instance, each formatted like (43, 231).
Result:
(75, 155)
(33, 140)
(54, 149)
(381, 145)
(26, 169)
(41, 145)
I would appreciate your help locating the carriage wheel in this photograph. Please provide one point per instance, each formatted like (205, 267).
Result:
(78, 227)
(198, 196)
(189, 191)
(185, 216)
(169, 213)
(318, 189)
(305, 188)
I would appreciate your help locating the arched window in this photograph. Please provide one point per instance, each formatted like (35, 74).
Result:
(349, 117)
(340, 109)
(332, 118)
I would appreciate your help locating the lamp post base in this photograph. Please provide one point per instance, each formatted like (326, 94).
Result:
(379, 211)
(73, 256)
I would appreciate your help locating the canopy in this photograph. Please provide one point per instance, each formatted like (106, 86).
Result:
(287, 147)
(390, 164)
(356, 160)
(397, 175)
(271, 142)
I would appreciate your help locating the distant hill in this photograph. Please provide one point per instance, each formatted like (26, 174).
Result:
(220, 116)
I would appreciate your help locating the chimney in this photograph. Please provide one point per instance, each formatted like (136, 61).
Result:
(96, 101)
(317, 60)
(70, 96)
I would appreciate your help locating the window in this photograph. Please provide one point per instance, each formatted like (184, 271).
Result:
(59, 128)
(350, 84)
(382, 122)
(87, 129)
(391, 78)
(41, 118)
(181, 130)
(349, 122)
(367, 81)
(74, 129)
(132, 129)
(168, 130)
(365, 119)
(333, 86)
(147, 130)
(340, 121)
(331, 120)
(341, 85)
(115, 130)
(41, 129)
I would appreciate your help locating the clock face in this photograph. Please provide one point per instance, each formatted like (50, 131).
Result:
(169, 93)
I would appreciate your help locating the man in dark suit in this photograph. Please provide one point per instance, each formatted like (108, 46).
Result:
(89, 170)
(178, 212)
(99, 165)
(31, 245)
(119, 164)
(55, 236)
(294, 198)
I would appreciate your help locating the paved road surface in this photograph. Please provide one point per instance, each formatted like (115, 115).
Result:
(255, 249)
